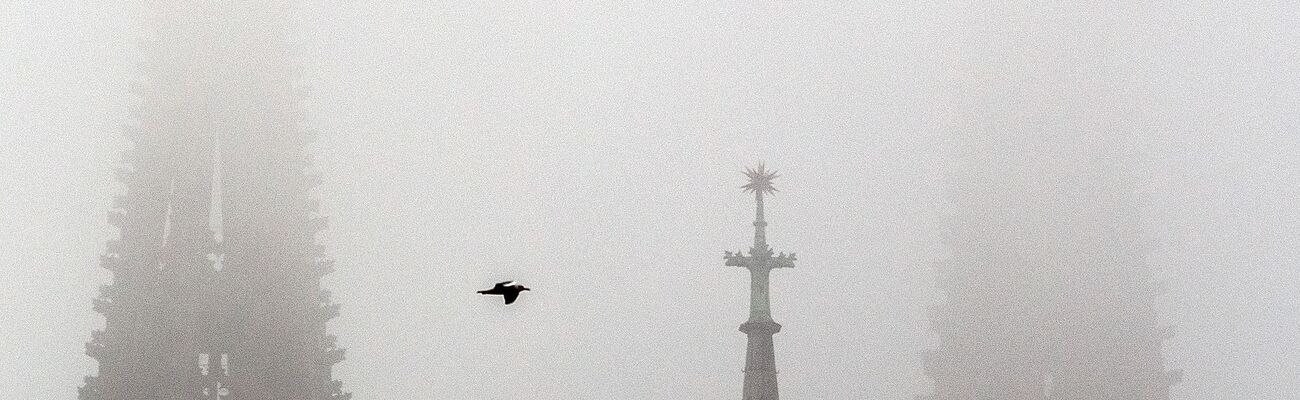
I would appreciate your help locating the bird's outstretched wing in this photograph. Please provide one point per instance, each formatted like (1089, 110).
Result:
(511, 296)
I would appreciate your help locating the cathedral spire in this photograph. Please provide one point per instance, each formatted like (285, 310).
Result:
(760, 358)
(216, 274)
(760, 182)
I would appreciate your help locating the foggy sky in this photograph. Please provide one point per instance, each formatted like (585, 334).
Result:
(592, 151)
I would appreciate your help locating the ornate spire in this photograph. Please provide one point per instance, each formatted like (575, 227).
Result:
(760, 360)
(224, 230)
(760, 182)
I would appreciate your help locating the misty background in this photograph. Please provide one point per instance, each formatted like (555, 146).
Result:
(592, 150)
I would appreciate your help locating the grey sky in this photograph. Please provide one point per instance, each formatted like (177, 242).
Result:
(592, 151)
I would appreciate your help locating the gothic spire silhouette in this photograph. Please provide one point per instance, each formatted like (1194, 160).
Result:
(760, 358)
(216, 273)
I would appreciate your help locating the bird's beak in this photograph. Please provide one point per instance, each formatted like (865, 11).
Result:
(525, 289)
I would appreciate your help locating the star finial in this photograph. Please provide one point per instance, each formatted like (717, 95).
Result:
(760, 180)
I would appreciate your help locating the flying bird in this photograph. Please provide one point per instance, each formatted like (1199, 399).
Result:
(508, 289)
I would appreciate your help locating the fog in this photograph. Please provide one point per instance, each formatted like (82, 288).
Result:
(593, 151)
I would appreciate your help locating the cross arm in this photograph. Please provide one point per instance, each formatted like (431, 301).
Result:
(736, 259)
(783, 261)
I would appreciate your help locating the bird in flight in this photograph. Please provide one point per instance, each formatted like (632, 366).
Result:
(508, 289)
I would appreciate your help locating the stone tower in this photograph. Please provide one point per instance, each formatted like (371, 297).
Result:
(216, 274)
(1048, 292)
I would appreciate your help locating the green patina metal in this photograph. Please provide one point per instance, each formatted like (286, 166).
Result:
(760, 361)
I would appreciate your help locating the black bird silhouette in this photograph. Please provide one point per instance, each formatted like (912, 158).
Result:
(509, 289)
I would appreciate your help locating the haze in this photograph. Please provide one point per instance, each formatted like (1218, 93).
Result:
(593, 150)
